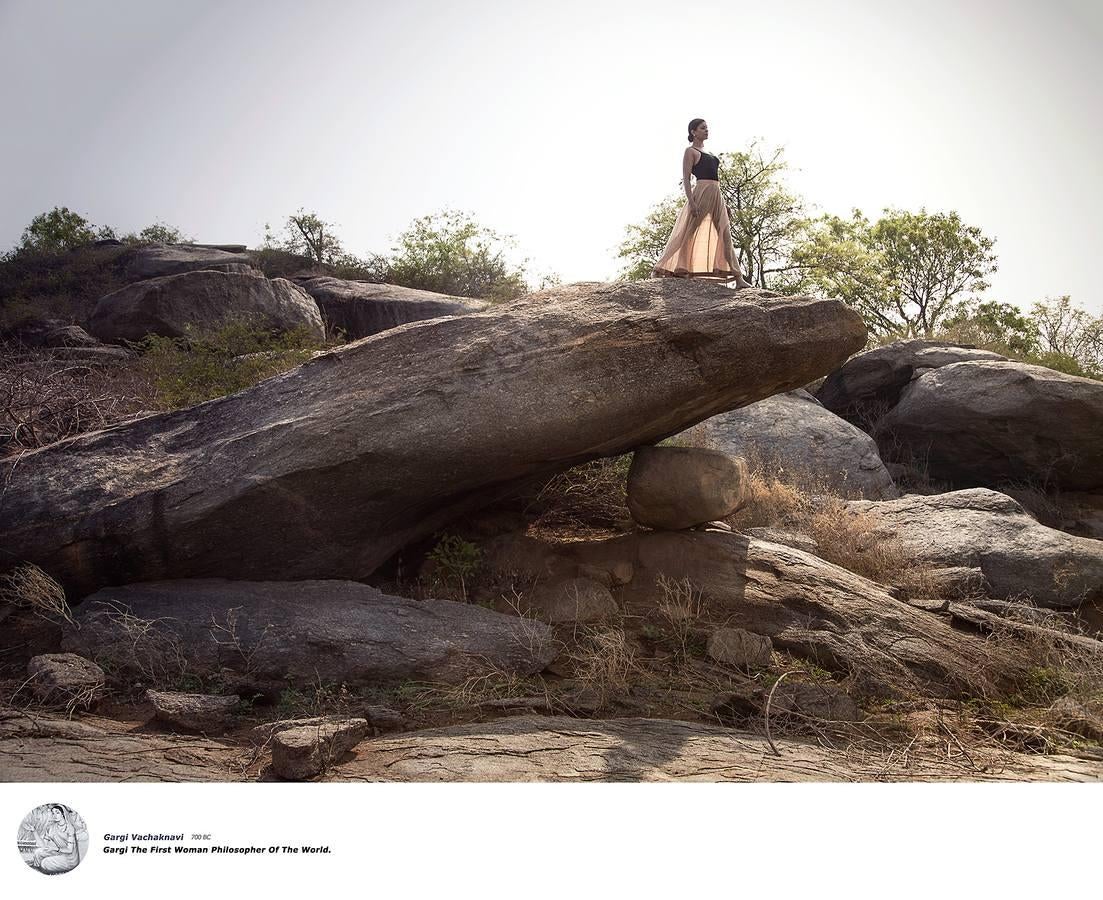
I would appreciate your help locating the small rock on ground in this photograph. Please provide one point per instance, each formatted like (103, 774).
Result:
(308, 750)
(738, 647)
(205, 713)
(574, 600)
(65, 678)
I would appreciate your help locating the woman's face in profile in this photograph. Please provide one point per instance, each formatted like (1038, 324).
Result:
(701, 132)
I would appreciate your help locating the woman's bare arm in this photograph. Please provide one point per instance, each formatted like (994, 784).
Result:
(688, 159)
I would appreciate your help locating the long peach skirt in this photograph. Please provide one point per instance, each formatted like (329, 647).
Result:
(701, 245)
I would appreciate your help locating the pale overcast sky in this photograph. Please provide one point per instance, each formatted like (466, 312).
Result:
(558, 123)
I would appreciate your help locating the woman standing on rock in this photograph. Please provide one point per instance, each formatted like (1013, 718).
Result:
(700, 245)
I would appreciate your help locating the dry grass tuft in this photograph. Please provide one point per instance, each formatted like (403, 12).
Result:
(770, 502)
(681, 610)
(604, 660)
(853, 540)
(495, 690)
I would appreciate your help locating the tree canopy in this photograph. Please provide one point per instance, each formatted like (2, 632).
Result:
(993, 325)
(449, 252)
(60, 229)
(305, 234)
(904, 273)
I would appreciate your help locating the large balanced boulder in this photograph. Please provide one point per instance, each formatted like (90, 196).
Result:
(869, 384)
(173, 304)
(302, 632)
(680, 487)
(359, 308)
(793, 432)
(327, 470)
(984, 530)
(172, 259)
(988, 422)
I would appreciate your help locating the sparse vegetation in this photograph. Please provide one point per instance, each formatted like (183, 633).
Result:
(603, 660)
(680, 609)
(479, 694)
(219, 361)
(319, 698)
(29, 587)
(456, 563)
(44, 398)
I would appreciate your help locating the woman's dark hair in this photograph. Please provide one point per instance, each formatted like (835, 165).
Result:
(693, 123)
(57, 806)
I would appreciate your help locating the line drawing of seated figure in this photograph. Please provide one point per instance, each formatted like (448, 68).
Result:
(56, 832)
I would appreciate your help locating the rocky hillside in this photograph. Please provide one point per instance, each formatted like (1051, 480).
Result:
(633, 531)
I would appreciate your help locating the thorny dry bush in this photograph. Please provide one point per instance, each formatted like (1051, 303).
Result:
(495, 690)
(1056, 700)
(45, 398)
(144, 648)
(28, 587)
(588, 496)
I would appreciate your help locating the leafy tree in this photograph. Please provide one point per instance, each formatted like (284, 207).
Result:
(766, 219)
(1056, 334)
(1068, 329)
(449, 252)
(160, 233)
(837, 259)
(643, 244)
(994, 326)
(60, 229)
(305, 234)
(766, 222)
(905, 273)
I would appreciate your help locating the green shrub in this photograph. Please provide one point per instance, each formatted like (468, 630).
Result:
(457, 561)
(218, 362)
(450, 253)
(60, 229)
(1062, 362)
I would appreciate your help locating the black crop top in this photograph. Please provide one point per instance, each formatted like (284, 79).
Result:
(707, 167)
